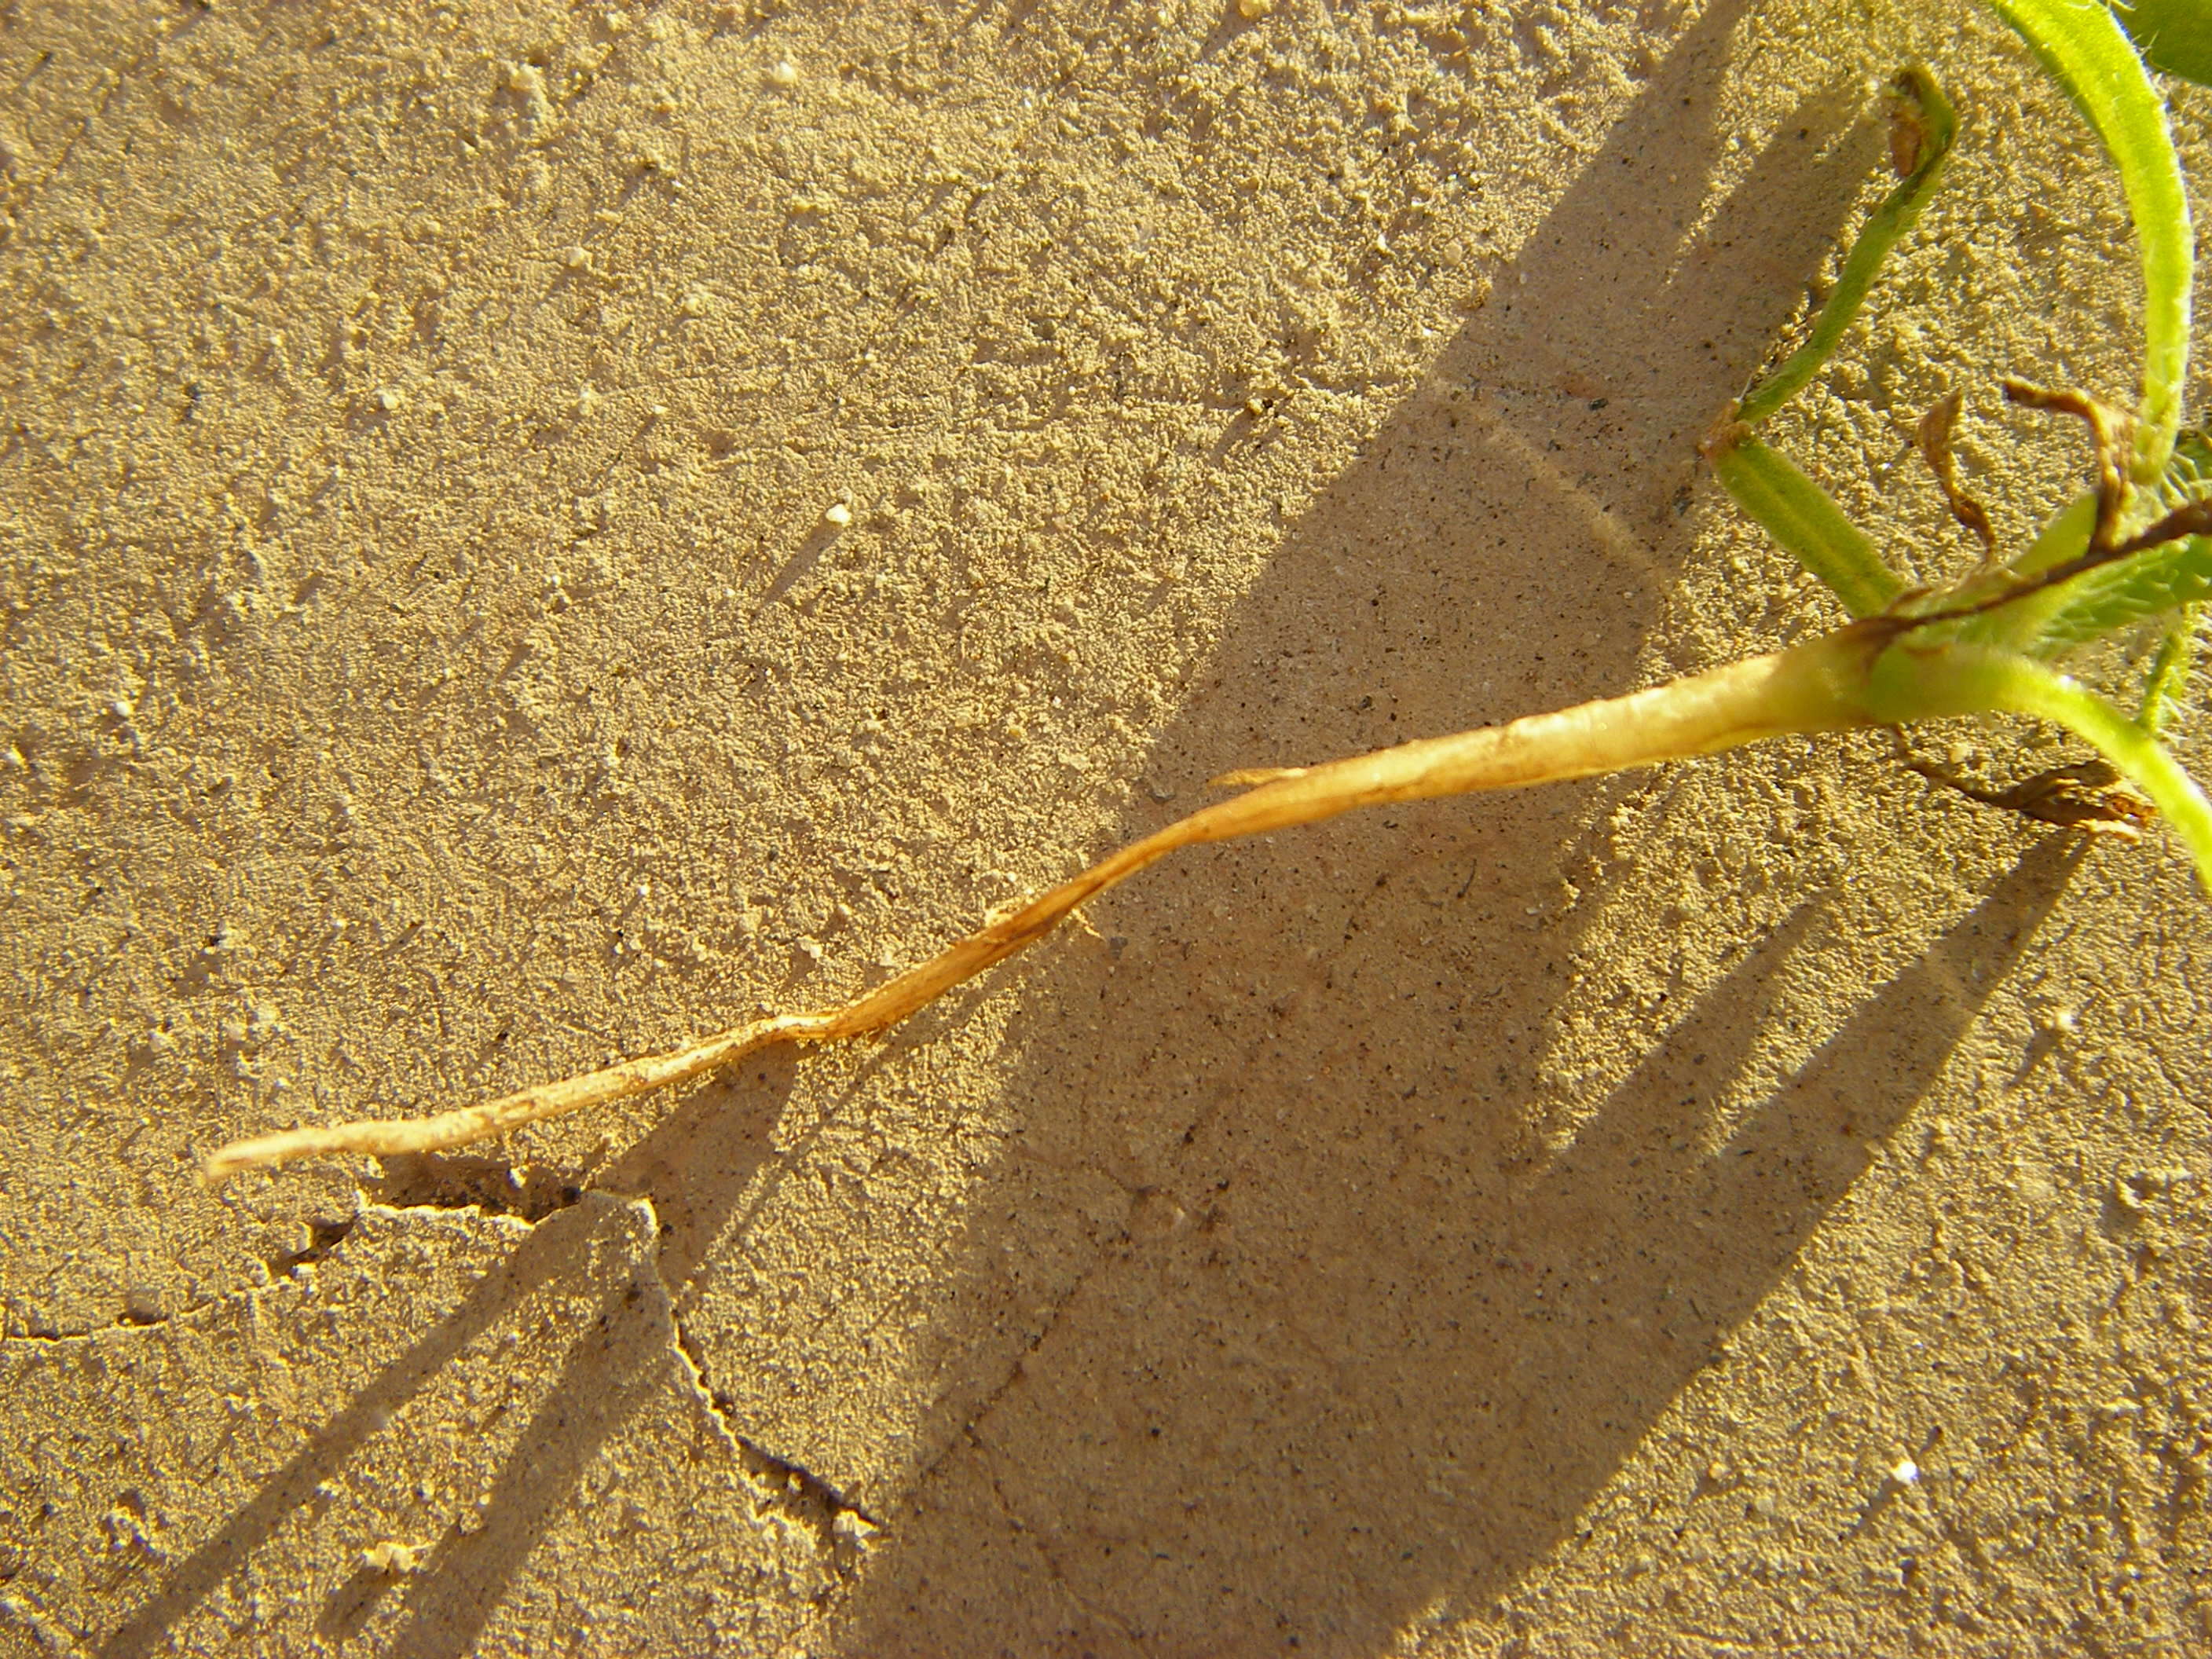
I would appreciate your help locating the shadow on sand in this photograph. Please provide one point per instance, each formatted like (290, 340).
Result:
(1346, 1309)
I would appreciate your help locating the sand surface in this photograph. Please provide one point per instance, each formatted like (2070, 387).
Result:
(1753, 1205)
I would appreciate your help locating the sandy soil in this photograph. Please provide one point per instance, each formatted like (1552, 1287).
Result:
(1750, 1206)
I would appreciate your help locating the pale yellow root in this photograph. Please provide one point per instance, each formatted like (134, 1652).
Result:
(1811, 687)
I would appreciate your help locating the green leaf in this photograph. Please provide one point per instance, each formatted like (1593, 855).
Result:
(2113, 596)
(2082, 46)
(2050, 622)
(2174, 35)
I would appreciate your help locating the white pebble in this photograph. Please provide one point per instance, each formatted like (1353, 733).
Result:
(390, 1557)
(784, 73)
(839, 514)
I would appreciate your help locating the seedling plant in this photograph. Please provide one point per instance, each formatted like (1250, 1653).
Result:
(2133, 548)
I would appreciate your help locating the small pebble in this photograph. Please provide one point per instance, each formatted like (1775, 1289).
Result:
(388, 1556)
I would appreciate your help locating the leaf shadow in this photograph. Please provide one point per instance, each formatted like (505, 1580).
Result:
(1398, 1337)
(1350, 1308)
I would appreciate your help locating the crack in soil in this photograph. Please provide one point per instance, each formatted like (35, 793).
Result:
(497, 1186)
(1105, 1616)
(803, 1495)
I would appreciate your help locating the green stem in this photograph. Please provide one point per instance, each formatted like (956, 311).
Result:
(2086, 51)
(1938, 125)
(2169, 672)
(1911, 685)
(1801, 516)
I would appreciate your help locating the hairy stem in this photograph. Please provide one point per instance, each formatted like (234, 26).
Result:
(1920, 142)
(1804, 520)
(2167, 682)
